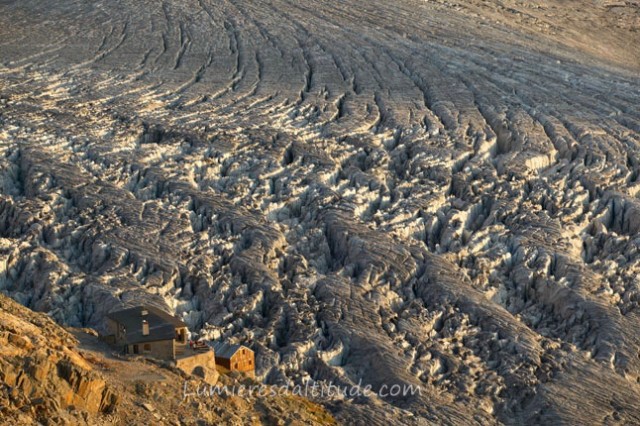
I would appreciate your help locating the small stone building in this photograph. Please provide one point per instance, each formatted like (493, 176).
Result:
(148, 331)
(234, 357)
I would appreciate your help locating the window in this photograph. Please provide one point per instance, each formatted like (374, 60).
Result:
(250, 362)
(235, 365)
(147, 347)
(135, 349)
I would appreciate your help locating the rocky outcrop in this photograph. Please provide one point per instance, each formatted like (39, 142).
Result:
(42, 374)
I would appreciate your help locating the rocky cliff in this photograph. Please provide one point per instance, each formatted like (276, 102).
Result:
(41, 373)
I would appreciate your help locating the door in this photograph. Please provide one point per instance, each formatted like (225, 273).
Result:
(135, 349)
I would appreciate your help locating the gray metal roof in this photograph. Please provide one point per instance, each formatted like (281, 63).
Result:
(162, 326)
(226, 350)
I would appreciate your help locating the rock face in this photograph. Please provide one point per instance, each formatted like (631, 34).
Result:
(41, 373)
(427, 193)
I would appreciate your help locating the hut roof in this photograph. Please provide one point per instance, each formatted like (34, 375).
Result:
(226, 350)
(162, 325)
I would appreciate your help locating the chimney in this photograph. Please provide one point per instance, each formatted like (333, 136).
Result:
(145, 328)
